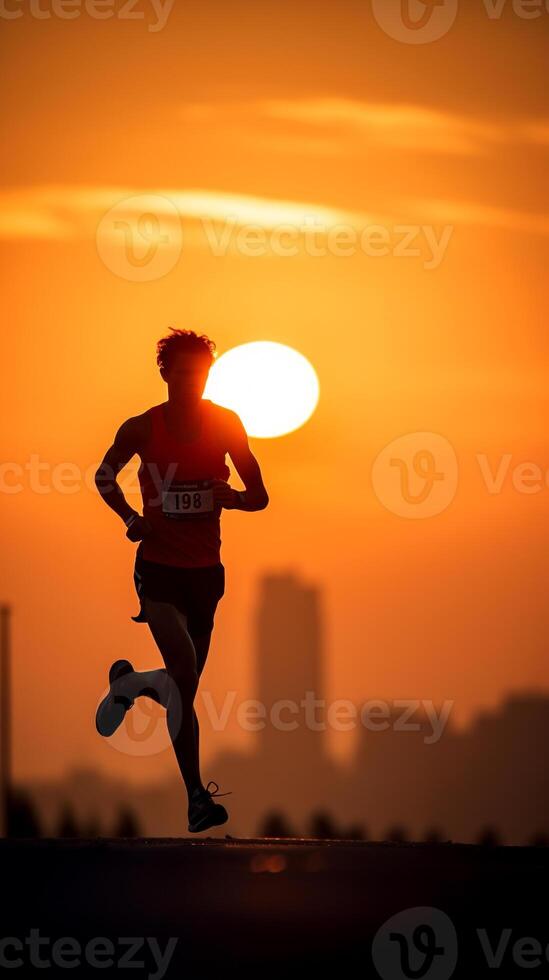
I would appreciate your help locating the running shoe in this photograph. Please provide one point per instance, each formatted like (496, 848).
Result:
(203, 812)
(112, 710)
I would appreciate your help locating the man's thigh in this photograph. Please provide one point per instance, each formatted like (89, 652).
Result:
(194, 591)
(205, 588)
(168, 625)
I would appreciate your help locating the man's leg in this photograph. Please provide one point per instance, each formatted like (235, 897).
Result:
(155, 683)
(201, 645)
(168, 626)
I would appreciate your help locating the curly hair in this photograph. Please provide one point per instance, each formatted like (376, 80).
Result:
(183, 340)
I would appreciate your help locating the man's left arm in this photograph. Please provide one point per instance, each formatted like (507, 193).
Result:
(255, 496)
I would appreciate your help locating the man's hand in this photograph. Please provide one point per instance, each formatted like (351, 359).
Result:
(224, 494)
(138, 529)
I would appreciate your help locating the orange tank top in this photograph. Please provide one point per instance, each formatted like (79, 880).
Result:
(175, 481)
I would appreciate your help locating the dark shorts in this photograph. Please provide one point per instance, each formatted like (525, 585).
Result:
(195, 591)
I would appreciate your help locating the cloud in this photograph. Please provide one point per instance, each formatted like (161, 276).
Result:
(471, 213)
(357, 124)
(18, 223)
(60, 212)
(536, 132)
(396, 126)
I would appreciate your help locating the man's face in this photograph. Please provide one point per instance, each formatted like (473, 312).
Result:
(187, 375)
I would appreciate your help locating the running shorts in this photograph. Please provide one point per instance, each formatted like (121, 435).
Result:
(194, 591)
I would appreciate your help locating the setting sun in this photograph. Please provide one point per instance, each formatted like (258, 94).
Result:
(273, 388)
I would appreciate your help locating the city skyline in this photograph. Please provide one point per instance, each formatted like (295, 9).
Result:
(405, 770)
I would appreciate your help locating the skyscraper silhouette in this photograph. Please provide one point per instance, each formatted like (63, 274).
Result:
(5, 716)
(289, 769)
(288, 646)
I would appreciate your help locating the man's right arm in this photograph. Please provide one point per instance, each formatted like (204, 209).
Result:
(127, 442)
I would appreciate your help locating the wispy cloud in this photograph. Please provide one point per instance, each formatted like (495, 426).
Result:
(535, 132)
(60, 212)
(471, 213)
(357, 123)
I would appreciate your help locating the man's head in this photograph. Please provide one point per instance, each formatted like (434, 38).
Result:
(185, 359)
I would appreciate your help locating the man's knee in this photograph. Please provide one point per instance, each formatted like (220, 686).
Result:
(201, 643)
(185, 677)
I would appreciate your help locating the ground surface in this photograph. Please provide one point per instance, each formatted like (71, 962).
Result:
(275, 906)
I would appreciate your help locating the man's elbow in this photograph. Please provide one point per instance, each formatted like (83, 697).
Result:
(256, 498)
(104, 478)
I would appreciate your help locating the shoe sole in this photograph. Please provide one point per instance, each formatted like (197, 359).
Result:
(112, 710)
(209, 821)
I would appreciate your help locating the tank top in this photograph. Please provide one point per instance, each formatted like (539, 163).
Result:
(174, 477)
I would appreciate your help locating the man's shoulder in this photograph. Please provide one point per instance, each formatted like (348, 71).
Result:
(138, 427)
(222, 414)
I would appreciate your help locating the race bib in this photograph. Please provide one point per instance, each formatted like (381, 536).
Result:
(185, 499)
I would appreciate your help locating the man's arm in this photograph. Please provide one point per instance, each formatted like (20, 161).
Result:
(255, 496)
(127, 442)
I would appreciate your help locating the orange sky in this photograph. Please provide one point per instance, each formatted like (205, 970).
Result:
(268, 113)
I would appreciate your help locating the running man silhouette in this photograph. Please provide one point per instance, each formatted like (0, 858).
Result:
(178, 572)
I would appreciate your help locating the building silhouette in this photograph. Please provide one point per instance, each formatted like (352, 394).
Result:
(486, 783)
(289, 768)
(288, 644)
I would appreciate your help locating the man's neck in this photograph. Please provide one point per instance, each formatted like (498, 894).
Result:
(183, 407)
